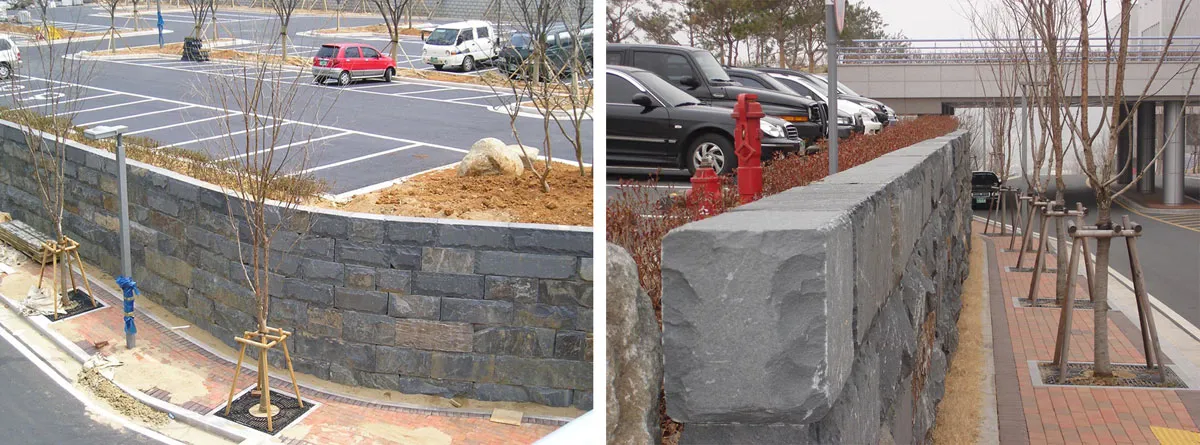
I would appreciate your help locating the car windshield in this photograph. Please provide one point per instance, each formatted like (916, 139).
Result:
(326, 52)
(520, 40)
(710, 67)
(984, 179)
(842, 88)
(443, 37)
(664, 90)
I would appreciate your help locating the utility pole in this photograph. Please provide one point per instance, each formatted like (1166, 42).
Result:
(835, 13)
(125, 281)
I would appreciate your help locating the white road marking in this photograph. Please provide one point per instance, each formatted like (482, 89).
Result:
(209, 138)
(62, 102)
(425, 91)
(134, 116)
(306, 141)
(360, 158)
(164, 127)
(106, 107)
(489, 96)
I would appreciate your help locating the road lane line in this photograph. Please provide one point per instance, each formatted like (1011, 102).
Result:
(360, 158)
(135, 115)
(105, 107)
(209, 138)
(51, 101)
(164, 127)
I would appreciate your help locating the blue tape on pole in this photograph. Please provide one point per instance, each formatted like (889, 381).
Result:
(128, 289)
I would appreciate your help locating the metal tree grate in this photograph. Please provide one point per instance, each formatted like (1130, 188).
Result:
(1141, 377)
(83, 304)
(1080, 305)
(289, 411)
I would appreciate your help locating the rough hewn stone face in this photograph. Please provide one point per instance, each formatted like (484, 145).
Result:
(634, 368)
(903, 223)
(414, 305)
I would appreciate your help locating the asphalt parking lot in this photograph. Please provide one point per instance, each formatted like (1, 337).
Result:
(370, 135)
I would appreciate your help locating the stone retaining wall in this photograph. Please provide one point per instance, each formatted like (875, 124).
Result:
(490, 311)
(823, 314)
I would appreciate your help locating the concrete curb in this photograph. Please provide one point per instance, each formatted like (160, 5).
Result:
(1134, 205)
(989, 427)
(188, 417)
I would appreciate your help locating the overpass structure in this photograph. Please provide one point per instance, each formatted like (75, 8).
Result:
(936, 76)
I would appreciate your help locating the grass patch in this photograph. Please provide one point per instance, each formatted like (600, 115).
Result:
(960, 411)
(32, 30)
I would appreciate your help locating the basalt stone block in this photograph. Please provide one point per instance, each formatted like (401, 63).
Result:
(312, 292)
(324, 321)
(443, 260)
(292, 313)
(553, 241)
(411, 232)
(566, 293)
(477, 311)
(776, 343)
(324, 271)
(361, 300)
(482, 236)
(526, 265)
(585, 269)
(403, 361)
(393, 280)
(414, 306)
(434, 387)
(507, 341)
(549, 396)
(476, 368)
(582, 399)
(433, 335)
(551, 373)
(377, 380)
(360, 277)
(571, 345)
(379, 255)
(515, 289)
(368, 328)
(448, 285)
(494, 392)
(553, 317)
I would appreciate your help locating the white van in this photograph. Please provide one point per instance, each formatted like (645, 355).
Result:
(10, 57)
(461, 44)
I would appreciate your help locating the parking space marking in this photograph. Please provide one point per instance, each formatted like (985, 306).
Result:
(180, 124)
(424, 91)
(105, 107)
(280, 147)
(134, 116)
(360, 158)
(489, 96)
(63, 102)
(232, 133)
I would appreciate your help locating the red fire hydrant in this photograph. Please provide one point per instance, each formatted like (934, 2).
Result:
(706, 189)
(747, 142)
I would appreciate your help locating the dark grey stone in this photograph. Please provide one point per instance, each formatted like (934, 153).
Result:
(290, 313)
(507, 341)
(549, 396)
(402, 361)
(434, 387)
(368, 328)
(320, 270)
(360, 277)
(477, 311)
(566, 293)
(571, 345)
(361, 300)
(379, 255)
(421, 234)
(448, 285)
(577, 243)
(526, 265)
(307, 291)
(486, 237)
(515, 289)
(443, 260)
(478, 368)
(582, 399)
(377, 381)
(394, 281)
(414, 306)
(491, 392)
(543, 316)
(551, 373)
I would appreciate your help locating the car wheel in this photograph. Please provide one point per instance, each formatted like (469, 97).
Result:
(387, 74)
(718, 147)
(5, 71)
(438, 67)
(344, 78)
(468, 64)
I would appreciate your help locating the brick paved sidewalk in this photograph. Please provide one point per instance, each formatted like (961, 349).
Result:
(1056, 414)
(188, 374)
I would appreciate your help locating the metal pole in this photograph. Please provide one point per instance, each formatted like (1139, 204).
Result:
(126, 258)
(831, 52)
(1025, 151)
(158, 3)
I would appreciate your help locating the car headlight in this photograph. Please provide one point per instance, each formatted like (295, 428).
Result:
(772, 130)
(868, 116)
(845, 120)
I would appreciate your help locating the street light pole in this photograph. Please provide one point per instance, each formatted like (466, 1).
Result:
(831, 42)
(125, 281)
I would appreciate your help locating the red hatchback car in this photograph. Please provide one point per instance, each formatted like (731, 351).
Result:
(348, 62)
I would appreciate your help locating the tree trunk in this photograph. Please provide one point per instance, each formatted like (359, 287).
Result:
(1060, 253)
(395, 42)
(1102, 367)
(283, 41)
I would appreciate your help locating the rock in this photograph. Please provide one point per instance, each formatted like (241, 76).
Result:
(490, 157)
(634, 369)
(527, 156)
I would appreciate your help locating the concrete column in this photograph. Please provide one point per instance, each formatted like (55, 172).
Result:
(1145, 146)
(1173, 155)
(1124, 143)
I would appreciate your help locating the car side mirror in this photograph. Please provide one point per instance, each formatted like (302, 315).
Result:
(643, 99)
(690, 82)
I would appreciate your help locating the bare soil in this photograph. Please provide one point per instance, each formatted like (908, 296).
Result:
(123, 403)
(175, 49)
(443, 194)
(31, 30)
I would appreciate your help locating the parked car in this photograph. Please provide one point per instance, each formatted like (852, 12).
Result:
(982, 188)
(698, 73)
(10, 57)
(756, 79)
(561, 49)
(652, 123)
(348, 62)
(865, 120)
(461, 44)
(886, 114)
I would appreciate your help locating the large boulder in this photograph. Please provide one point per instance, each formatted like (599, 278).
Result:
(527, 156)
(490, 157)
(634, 355)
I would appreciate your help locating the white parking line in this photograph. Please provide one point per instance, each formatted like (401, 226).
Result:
(425, 91)
(360, 158)
(164, 127)
(62, 102)
(306, 141)
(133, 116)
(489, 96)
(105, 107)
(205, 139)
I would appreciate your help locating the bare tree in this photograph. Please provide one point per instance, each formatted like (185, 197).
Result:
(283, 9)
(200, 10)
(577, 64)
(619, 16)
(110, 7)
(137, 20)
(267, 154)
(393, 13)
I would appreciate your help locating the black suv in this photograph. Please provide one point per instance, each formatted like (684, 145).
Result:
(881, 111)
(651, 123)
(762, 80)
(983, 184)
(560, 50)
(698, 73)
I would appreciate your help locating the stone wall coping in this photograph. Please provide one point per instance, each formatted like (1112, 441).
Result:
(312, 209)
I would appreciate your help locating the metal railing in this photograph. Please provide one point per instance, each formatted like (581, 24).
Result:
(991, 51)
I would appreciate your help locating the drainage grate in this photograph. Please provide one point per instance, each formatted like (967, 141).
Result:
(83, 304)
(1080, 305)
(289, 411)
(1131, 376)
